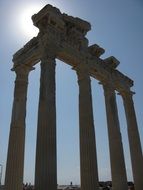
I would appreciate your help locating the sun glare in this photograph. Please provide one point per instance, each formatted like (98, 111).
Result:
(26, 23)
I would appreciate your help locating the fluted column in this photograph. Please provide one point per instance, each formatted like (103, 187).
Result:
(88, 158)
(46, 159)
(118, 171)
(134, 140)
(15, 158)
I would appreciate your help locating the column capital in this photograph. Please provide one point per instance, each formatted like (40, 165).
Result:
(22, 70)
(126, 94)
(109, 89)
(82, 71)
(48, 59)
(21, 81)
(48, 56)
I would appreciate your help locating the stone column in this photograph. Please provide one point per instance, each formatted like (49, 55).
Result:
(15, 158)
(118, 171)
(134, 140)
(46, 159)
(88, 158)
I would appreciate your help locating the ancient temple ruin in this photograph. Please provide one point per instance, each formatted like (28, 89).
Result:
(64, 37)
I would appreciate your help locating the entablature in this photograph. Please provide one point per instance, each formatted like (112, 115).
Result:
(29, 54)
(65, 36)
(100, 69)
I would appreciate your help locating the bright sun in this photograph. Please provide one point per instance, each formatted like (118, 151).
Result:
(26, 23)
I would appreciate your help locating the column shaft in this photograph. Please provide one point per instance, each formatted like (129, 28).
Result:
(118, 171)
(46, 164)
(88, 158)
(15, 158)
(134, 141)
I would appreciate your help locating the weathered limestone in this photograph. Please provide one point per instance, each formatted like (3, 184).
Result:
(46, 163)
(118, 171)
(88, 158)
(134, 140)
(15, 158)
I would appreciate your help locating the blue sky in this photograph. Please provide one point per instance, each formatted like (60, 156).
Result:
(117, 27)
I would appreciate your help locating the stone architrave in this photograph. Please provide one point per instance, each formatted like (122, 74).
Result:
(46, 159)
(15, 158)
(118, 171)
(134, 140)
(88, 158)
